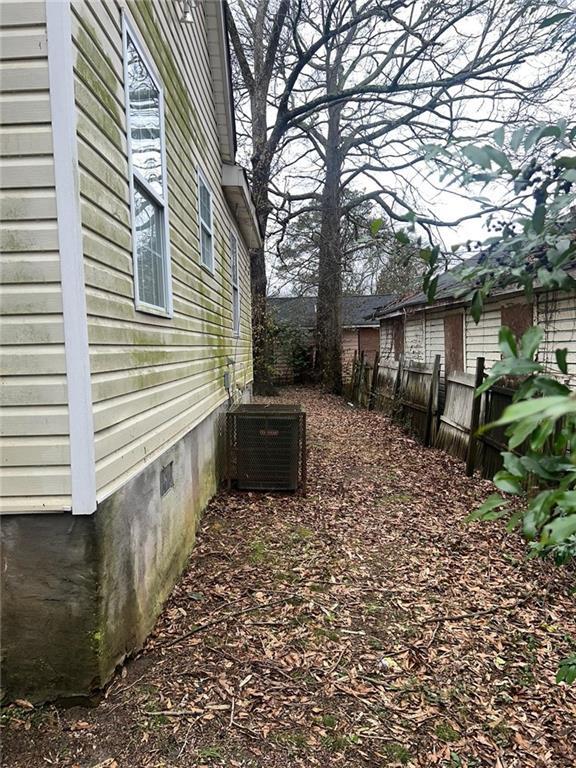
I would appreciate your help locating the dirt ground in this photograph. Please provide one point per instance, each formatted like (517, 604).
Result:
(366, 624)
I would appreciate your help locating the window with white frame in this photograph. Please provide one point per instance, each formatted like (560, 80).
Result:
(205, 214)
(146, 148)
(235, 285)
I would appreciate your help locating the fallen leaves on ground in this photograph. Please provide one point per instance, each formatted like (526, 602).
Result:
(366, 624)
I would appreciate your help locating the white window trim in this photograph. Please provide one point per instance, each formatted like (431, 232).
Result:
(211, 268)
(128, 29)
(235, 285)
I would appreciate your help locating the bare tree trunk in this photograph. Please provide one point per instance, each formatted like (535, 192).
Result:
(258, 283)
(328, 317)
(262, 353)
(417, 70)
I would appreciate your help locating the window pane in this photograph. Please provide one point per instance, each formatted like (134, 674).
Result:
(236, 309)
(149, 250)
(144, 107)
(234, 257)
(205, 213)
(206, 239)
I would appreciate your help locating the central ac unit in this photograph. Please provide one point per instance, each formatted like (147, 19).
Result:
(267, 447)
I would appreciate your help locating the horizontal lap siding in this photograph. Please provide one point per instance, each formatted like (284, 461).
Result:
(153, 378)
(349, 347)
(435, 338)
(34, 443)
(556, 315)
(414, 339)
(387, 340)
(481, 340)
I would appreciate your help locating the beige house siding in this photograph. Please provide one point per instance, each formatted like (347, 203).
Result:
(435, 338)
(153, 378)
(386, 340)
(481, 340)
(349, 347)
(556, 315)
(34, 442)
(414, 338)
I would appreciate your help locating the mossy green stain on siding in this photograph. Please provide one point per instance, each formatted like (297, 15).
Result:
(110, 126)
(87, 42)
(9, 242)
(101, 80)
(86, 72)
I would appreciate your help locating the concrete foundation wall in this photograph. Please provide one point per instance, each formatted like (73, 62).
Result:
(80, 593)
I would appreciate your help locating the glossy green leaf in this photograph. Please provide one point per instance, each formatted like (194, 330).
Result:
(566, 161)
(376, 226)
(507, 482)
(477, 156)
(513, 464)
(561, 359)
(517, 137)
(560, 529)
(498, 157)
(567, 670)
(520, 432)
(539, 218)
(498, 135)
(530, 341)
(527, 408)
(487, 510)
(476, 307)
(555, 19)
(507, 342)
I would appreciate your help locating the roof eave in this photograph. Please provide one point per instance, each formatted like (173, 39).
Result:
(219, 53)
(237, 193)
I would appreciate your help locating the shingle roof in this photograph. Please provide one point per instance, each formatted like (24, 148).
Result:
(300, 311)
(451, 287)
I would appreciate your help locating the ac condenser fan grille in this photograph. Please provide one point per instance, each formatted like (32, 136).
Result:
(266, 447)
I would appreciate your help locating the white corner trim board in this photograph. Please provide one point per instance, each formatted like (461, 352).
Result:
(63, 108)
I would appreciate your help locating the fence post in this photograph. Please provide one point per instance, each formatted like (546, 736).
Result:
(398, 378)
(430, 406)
(474, 418)
(374, 384)
(396, 405)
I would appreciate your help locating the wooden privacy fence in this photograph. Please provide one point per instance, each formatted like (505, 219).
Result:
(409, 392)
(418, 389)
(454, 428)
(491, 443)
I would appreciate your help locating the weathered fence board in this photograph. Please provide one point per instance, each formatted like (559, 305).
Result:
(454, 430)
(387, 384)
(496, 399)
(409, 392)
(418, 385)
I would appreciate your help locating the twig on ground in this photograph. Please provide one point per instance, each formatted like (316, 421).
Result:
(222, 619)
(476, 614)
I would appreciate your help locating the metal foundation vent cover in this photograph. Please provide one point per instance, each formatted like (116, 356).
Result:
(267, 447)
